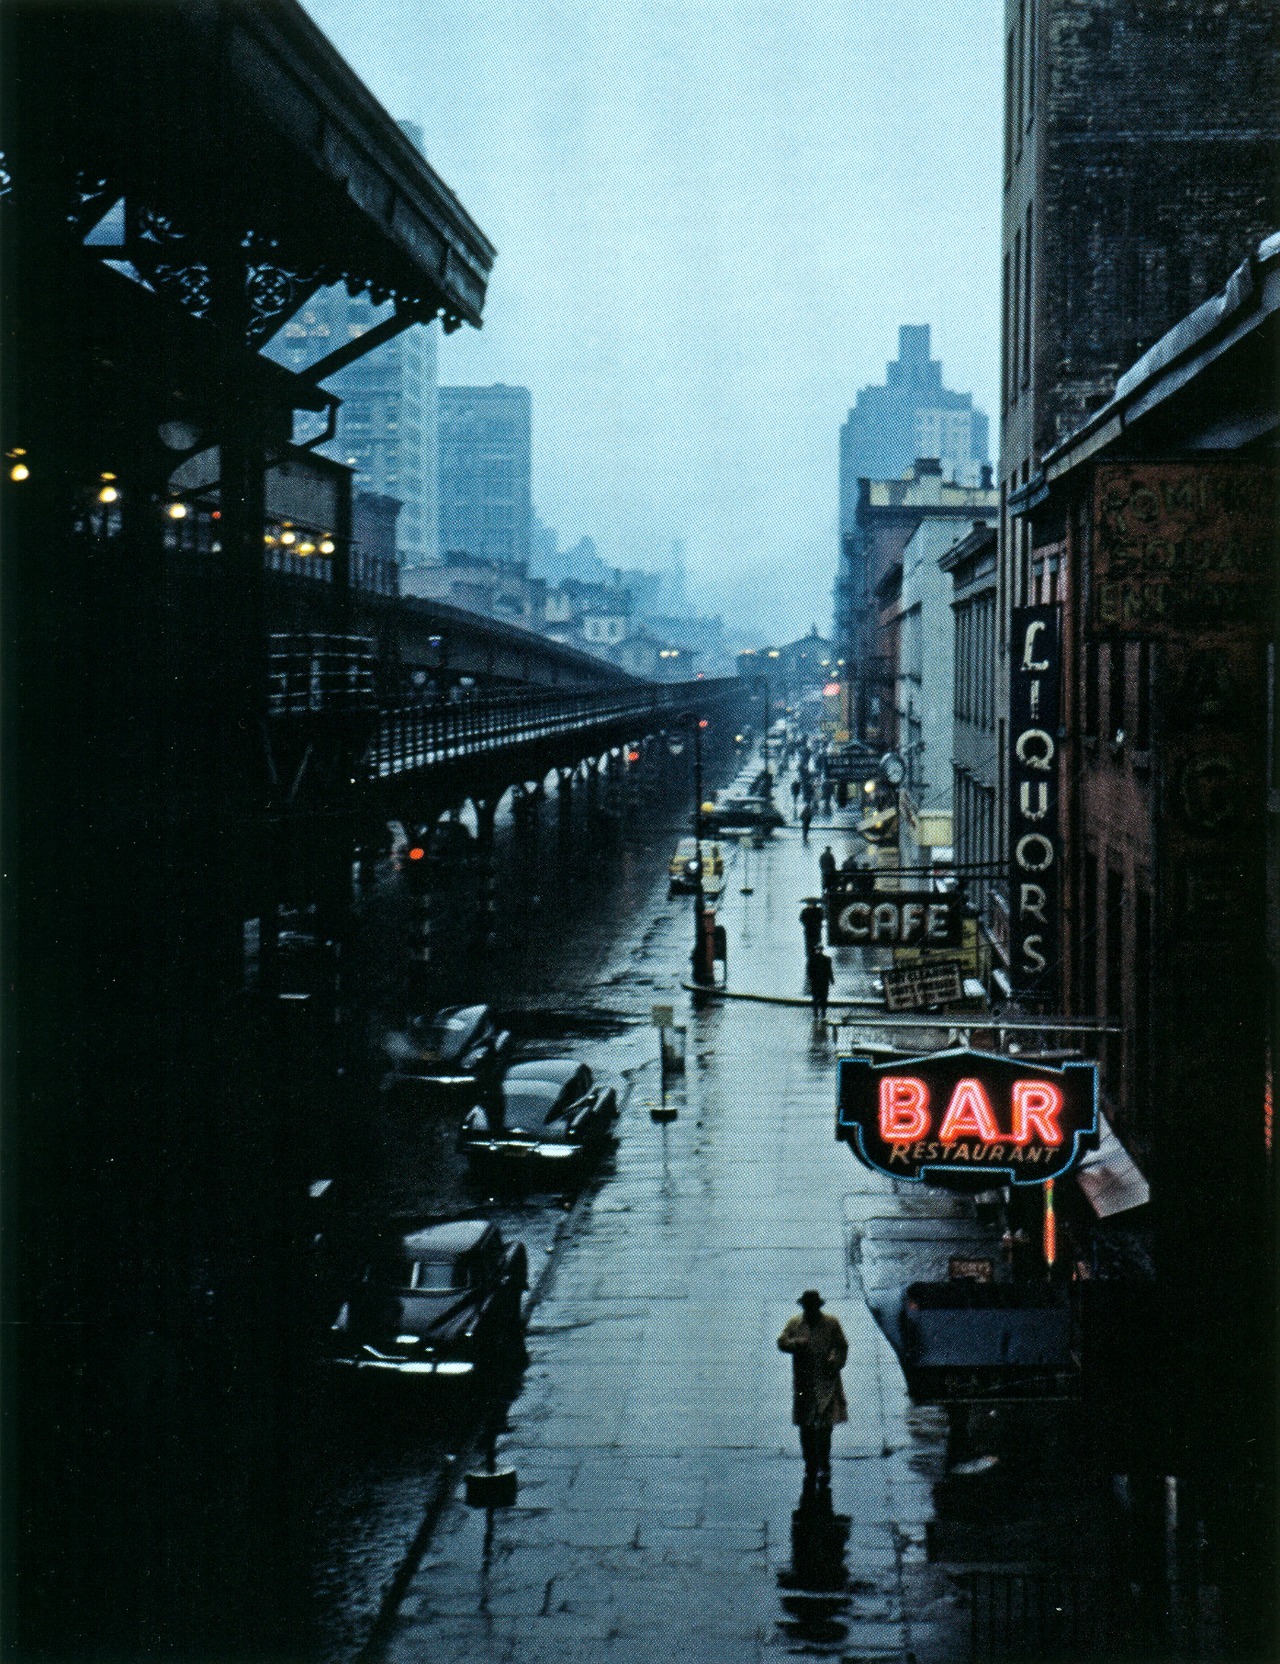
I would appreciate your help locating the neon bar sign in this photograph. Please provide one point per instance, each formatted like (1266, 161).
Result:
(967, 1112)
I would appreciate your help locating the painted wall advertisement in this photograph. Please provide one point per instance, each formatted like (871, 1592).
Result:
(1035, 846)
(1181, 546)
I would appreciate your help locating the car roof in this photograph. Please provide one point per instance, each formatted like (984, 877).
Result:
(469, 1014)
(459, 1236)
(558, 1071)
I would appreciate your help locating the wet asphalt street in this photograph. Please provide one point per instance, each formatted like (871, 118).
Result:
(659, 1476)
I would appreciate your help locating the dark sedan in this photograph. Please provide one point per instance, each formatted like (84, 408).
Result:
(461, 1046)
(742, 814)
(550, 1111)
(442, 1301)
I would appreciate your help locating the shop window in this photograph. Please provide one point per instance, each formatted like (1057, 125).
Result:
(1115, 693)
(1142, 716)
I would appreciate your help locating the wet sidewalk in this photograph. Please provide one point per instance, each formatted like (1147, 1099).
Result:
(659, 1476)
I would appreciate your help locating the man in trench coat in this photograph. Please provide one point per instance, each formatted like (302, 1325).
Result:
(818, 1351)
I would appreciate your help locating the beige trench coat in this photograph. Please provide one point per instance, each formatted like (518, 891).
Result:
(818, 1350)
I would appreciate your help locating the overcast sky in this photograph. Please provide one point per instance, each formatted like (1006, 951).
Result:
(711, 216)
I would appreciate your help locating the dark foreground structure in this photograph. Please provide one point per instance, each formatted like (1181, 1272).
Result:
(203, 726)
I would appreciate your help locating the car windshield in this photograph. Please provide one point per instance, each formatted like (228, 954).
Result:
(530, 1102)
(447, 1035)
(417, 1276)
(438, 1276)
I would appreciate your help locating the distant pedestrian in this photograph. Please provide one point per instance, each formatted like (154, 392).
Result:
(827, 867)
(821, 976)
(818, 1351)
(811, 916)
(795, 793)
(806, 820)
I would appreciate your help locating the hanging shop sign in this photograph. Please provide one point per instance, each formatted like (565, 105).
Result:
(915, 987)
(967, 1112)
(1181, 545)
(859, 917)
(1035, 847)
(852, 766)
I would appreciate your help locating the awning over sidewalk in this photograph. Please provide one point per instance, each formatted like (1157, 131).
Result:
(1110, 1178)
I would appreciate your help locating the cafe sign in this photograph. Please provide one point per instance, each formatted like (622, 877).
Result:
(966, 1112)
(859, 917)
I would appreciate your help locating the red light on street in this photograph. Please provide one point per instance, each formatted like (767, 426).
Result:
(633, 756)
(1050, 1226)
(831, 689)
(417, 853)
(702, 722)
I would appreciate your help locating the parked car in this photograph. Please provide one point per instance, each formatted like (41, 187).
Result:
(742, 814)
(682, 869)
(547, 1111)
(443, 1300)
(461, 1046)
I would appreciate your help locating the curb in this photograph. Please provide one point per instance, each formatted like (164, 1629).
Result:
(776, 999)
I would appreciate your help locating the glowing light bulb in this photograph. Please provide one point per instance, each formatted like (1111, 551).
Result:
(177, 511)
(108, 494)
(19, 471)
(288, 537)
(327, 547)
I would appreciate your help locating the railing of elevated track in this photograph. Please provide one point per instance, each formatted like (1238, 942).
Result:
(422, 737)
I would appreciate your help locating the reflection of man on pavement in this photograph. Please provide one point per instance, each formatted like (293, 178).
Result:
(818, 1351)
(821, 977)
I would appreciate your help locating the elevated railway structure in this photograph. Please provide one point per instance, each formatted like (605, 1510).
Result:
(176, 182)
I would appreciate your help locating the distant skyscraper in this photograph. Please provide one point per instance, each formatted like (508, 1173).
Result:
(486, 472)
(913, 416)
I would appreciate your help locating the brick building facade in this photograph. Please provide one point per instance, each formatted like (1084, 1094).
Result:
(1139, 162)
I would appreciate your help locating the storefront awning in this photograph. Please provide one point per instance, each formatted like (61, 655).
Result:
(1110, 1178)
(879, 826)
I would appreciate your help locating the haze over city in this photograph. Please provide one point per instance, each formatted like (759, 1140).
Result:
(710, 221)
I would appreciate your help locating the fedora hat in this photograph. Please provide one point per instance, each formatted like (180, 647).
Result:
(809, 1298)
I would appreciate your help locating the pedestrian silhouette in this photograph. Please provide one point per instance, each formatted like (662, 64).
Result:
(827, 867)
(806, 820)
(811, 923)
(818, 1351)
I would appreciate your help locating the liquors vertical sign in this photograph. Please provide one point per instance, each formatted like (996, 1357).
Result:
(1035, 845)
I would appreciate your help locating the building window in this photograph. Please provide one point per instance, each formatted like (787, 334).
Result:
(1022, 35)
(1091, 690)
(1016, 328)
(1114, 985)
(1008, 105)
(1089, 938)
(1004, 337)
(1026, 303)
(1031, 60)
(1138, 1091)
(1142, 716)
